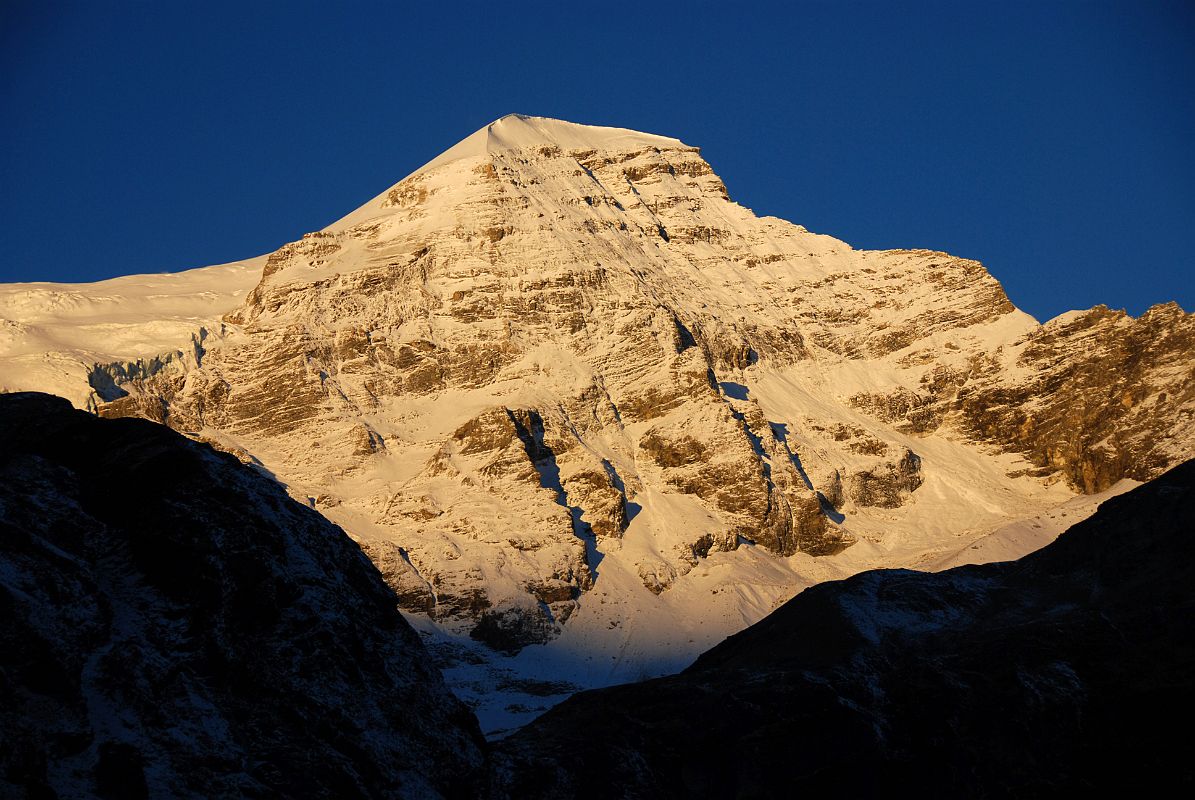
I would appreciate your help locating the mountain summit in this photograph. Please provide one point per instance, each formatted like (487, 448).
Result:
(569, 396)
(516, 132)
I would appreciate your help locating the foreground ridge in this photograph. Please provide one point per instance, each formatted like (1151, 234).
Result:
(175, 626)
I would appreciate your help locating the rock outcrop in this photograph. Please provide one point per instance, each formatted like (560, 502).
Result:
(886, 485)
(1091, 397)
(1095, 396)
(173, 625)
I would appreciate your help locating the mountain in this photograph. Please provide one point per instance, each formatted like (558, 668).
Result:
(589, 416)
(1068, 671)
(173, 625)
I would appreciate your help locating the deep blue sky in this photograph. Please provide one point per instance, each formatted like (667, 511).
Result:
(1054, 141)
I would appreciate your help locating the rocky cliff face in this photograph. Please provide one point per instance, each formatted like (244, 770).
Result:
(1106, 396)
(1092, 396)
(173, 625)
(1067, 670)
(559, 356)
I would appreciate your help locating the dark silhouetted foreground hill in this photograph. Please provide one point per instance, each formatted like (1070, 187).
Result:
(1068, 670)
(173, 625)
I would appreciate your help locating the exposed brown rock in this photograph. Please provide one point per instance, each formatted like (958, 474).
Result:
(1106, 396)
(887, 485)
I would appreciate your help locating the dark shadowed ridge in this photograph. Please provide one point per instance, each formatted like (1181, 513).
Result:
(173, 625)
(1066, 671)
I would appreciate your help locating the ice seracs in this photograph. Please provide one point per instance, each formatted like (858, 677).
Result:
(53, 335)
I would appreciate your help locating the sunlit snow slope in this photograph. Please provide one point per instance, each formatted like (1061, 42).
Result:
(52, 335)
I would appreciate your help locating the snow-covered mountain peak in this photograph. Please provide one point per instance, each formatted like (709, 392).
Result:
(515, 133)
(519, 131)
